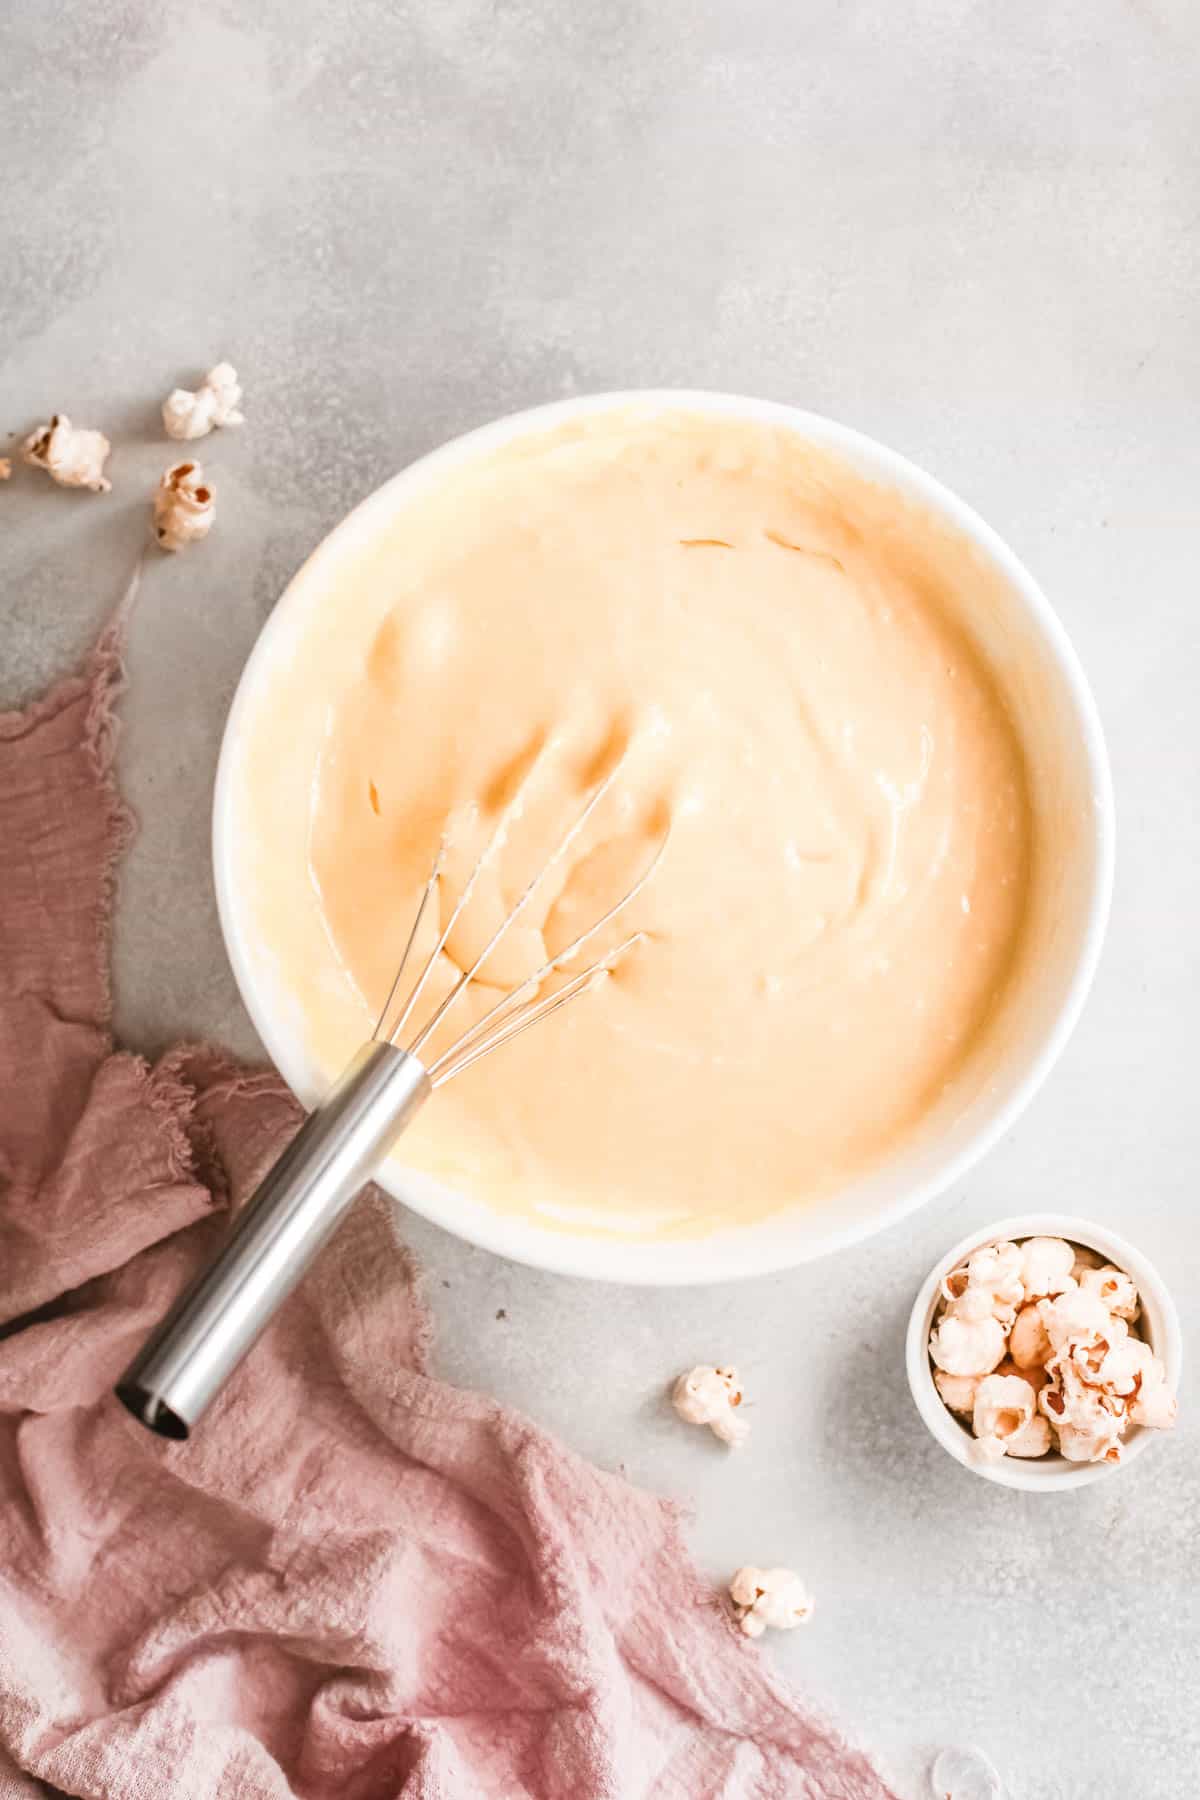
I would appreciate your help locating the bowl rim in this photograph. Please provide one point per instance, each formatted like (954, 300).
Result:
(763, 1247)
(1052, 1474)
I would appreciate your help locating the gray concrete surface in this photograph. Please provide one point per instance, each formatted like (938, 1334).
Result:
(971, 230)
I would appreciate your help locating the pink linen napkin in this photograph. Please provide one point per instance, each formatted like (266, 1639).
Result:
(354, 1581)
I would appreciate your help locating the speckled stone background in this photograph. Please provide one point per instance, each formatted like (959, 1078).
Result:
(969, 229)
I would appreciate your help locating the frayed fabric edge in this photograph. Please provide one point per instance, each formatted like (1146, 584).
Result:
(104, 674)
(100, 684)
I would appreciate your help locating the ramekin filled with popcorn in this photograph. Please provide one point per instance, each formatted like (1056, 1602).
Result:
(1044, 1352)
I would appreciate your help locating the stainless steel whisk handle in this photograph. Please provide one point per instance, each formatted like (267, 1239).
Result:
(186, 1361)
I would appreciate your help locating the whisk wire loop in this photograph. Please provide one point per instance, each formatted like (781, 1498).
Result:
(521, 1006)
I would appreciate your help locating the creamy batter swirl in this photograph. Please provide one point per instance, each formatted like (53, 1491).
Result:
(771, 655)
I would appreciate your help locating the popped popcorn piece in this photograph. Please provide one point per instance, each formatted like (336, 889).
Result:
(5, 468)
(1004, 1406)
(70, 454)
(188, 415)
(957, 1391)
(1087, 1421)
(996, 1270)
(954, 1285)
(1028, 1343)
(967, 1346)
(769, 1597)
(1115, 1288)
(986, 1450)
(1154, 1404)
(184, 507)
(1075, 1316)
(964, 1775)
(1031, 1440)
(1109, 1360)
(1046, 1265)
(1066, 1398)
(973, 1303)
(710, 1396)
(1100, 1442)
(994, 1265)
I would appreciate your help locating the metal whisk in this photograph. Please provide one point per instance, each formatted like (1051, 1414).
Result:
(215, 1321)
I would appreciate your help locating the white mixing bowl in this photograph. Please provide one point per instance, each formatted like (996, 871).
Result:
(1044, 687)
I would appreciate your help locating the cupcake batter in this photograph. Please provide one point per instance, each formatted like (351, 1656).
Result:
(767, 650)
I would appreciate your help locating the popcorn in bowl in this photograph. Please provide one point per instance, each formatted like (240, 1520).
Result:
(1035, 1344)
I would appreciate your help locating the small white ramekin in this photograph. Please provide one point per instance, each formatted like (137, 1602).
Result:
(1021, 639)
(1159, 1325)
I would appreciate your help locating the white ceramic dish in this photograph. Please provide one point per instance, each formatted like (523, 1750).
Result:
(1159, 1325)
(1027, 649)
